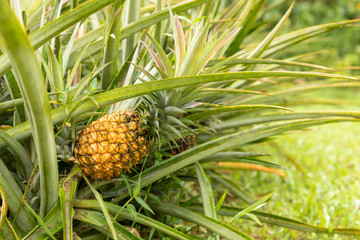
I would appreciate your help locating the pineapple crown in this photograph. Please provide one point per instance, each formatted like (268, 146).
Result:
(165, 112)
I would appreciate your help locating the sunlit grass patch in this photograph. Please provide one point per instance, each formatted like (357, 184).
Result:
(325, 194)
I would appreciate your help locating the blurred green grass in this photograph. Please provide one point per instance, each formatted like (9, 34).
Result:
(327, 194)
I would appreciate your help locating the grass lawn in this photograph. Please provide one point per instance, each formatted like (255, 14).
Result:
(324, 192)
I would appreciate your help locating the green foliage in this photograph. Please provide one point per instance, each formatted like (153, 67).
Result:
(341, 47)
(217, 71)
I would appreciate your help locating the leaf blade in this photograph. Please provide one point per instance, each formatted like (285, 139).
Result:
(119, 94)
(31, 83)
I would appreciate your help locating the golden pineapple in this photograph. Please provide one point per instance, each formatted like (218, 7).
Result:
(112, 143)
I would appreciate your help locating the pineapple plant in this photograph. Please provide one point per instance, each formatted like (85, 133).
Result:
(200, 67)
(116, 142)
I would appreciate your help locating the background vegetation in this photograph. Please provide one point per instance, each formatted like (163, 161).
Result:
(252, 81)
(324, 190)
(340, 47)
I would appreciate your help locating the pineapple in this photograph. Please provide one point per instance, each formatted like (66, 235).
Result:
(112, 143)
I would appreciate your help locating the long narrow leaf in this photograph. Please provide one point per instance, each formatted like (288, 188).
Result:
(297, 36)
(140, 218)
(276, 96)
(282, 221)
(31, 82)
(248, 19)
(53, 223)
(206, 192)
(40, 221)
(235, 61)
(251, 208)
(286, 116)
(228, 162)
(67, 51)
(213, 225)
(232, 186)
(258, 51)
(97, 219)
(56, 71)
(4, 208)
(104, 210)
(67, 194)
(119, 94)
(4, 171)
(219, 110)
(236, 165)
(10, 104)
(162, 55)
(24, 220)
(226, 155)
(19, 152)
(113, 23)
(8, 232)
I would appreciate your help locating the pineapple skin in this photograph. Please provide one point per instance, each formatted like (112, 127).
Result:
(112, 143)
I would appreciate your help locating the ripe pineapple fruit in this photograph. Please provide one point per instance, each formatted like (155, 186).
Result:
(112, 143)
